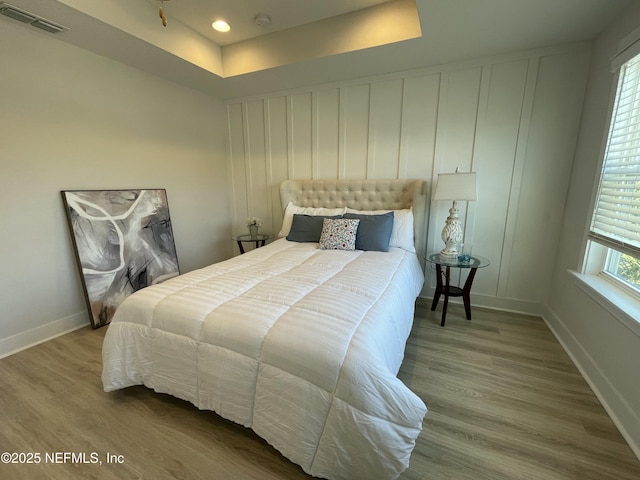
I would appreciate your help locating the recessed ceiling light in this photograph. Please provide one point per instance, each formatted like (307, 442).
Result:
(221, 26)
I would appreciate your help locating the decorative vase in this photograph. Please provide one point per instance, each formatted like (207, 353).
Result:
(253, 231)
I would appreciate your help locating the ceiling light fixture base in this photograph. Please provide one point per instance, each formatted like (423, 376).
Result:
(263, 20)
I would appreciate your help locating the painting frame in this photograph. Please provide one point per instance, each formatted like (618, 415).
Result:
(123, 241)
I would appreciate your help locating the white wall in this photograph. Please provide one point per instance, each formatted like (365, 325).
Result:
(512, 119)
(70, 119)
(607, 352)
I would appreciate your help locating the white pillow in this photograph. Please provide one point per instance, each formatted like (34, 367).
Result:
(402, 233)
(291, 209)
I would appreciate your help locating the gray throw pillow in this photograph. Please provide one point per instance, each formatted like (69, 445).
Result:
(307, 228)
(374, 231)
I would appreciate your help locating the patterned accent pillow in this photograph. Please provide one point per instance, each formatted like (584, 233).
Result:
(339, 234)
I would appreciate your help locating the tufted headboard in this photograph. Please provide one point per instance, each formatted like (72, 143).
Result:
(363, 195)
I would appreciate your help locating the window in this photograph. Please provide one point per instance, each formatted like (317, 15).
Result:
(611, 270)
(624, 268)
(616, 217)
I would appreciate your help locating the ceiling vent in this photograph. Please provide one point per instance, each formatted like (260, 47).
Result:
(26, 17)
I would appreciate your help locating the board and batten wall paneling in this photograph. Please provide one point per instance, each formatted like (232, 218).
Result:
(512, 119)
(495, 158)
(555, 117)
(278, 157)
(419, 125)
(456, 129)
(256, 161)
(326, 142)
(301, 134)
(385, 124)
(354, 129)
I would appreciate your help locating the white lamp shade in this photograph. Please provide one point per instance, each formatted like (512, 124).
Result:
(456, 186)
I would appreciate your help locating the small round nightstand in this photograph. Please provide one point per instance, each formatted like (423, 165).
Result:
(258, 239)
(448, 290)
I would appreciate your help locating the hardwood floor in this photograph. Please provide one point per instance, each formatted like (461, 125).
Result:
(505, 402)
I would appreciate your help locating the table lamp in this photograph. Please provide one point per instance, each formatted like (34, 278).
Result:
(457, 187)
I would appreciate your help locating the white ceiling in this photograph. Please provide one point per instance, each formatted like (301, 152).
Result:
(130, 31)
(241, 14)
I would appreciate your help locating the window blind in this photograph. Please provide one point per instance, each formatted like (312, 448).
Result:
(629, 47)
(616, 217)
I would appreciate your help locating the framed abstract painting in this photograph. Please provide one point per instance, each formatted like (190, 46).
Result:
(123, 241)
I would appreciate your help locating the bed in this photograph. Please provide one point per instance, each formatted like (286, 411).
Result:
(300, 344)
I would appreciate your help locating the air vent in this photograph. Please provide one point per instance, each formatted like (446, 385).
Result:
(16, 14)
(26, 17)
(48, 26)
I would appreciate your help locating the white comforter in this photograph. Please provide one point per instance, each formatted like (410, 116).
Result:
(302, 345)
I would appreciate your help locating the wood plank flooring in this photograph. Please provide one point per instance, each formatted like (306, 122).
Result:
(505, 402)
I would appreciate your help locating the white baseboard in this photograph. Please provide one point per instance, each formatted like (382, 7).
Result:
(620, 412)
(23, 340)
(494, 303)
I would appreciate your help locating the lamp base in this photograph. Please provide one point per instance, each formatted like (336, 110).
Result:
(449, 253)
(452, 234)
